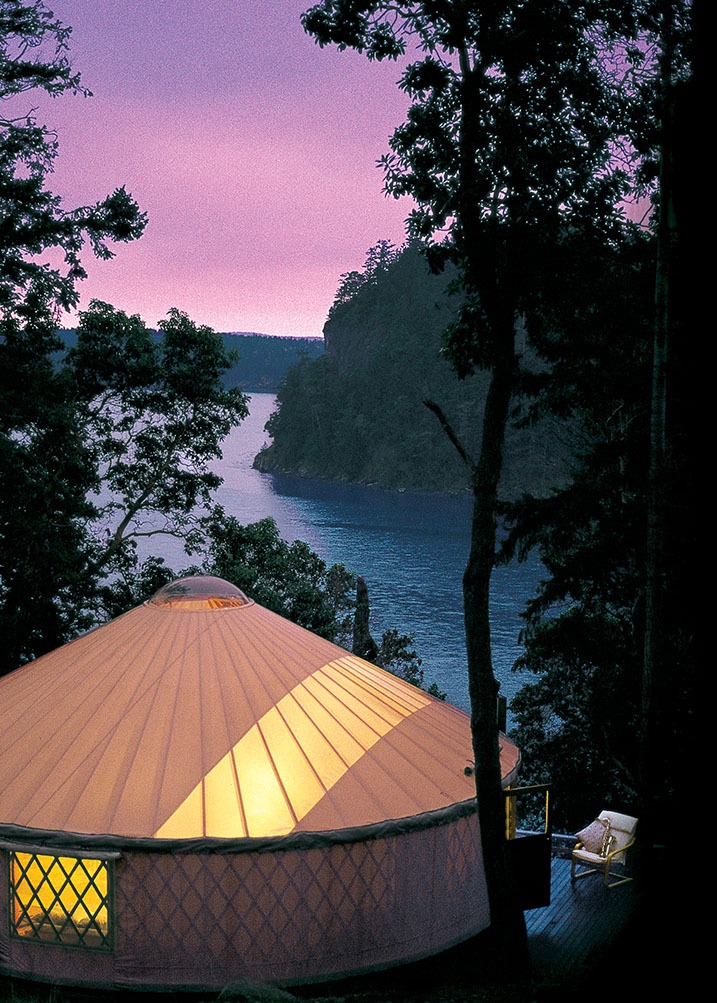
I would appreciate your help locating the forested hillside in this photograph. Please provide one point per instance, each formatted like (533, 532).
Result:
(358, 414)
(263, 360)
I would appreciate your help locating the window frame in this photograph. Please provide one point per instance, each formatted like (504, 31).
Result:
(18, 905)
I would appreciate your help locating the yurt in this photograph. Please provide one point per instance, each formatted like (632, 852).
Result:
(201, 791)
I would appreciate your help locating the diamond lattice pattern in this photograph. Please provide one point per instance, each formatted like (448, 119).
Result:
(60, 899)
(293, 914)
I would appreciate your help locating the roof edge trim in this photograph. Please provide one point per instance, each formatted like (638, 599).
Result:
(16, 836)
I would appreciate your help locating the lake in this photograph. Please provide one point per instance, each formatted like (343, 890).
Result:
(411, 549)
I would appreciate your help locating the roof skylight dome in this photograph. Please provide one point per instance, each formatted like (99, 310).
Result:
(200, 592)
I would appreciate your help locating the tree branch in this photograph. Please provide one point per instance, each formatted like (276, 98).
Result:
(448, 429)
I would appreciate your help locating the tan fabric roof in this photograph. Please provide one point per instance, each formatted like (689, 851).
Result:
(207, 715)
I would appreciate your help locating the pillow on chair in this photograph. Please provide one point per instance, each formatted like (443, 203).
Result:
(596, 837)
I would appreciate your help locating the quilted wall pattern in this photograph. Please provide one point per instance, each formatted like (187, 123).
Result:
(297, 915)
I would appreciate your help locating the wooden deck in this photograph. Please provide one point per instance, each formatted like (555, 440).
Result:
(583, 919)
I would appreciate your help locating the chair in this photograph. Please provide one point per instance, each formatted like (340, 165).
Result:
(603, 845)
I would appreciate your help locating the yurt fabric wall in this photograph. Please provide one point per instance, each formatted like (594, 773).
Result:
(199, 920)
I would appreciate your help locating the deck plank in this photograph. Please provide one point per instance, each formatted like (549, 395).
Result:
(583, 917)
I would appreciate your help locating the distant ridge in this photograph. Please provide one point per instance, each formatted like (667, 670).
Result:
(264, 359)
(279, 337)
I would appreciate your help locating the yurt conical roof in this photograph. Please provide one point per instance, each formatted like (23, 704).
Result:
(203, 714)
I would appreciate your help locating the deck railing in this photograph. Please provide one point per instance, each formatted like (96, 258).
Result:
(539, 793)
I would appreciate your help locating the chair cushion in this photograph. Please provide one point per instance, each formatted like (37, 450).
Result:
(590, 859)
(596, 837)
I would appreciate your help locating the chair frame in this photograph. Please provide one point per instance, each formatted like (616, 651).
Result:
(595, 863)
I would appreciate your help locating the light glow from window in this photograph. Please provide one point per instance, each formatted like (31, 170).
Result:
(60, 899)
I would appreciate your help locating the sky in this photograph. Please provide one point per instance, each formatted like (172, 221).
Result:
(252, 150)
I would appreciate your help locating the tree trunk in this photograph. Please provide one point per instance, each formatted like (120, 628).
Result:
(485, 261)
(651, 670)
(508, 932)
(363, 644)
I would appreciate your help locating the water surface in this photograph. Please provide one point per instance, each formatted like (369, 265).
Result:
(411, 548)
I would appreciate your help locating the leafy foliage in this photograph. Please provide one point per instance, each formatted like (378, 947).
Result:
(378, 259)
(288, 578)
(397, 654)
(34, 56)
(156, 413)
(115, 444)
(46, 467)
(45, 474)
(578, 723)
(260, 362)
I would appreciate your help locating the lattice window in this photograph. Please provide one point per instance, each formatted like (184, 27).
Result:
(61, 899)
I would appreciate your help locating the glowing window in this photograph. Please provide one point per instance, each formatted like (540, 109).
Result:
(61, 899)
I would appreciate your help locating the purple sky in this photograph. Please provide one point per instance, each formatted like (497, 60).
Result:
(252, 150)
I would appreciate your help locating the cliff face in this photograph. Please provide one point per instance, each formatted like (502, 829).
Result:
(358, 414)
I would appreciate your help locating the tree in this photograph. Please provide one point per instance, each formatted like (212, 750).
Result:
(612, 637)
(45, 566)
(357, 413)
(507, 148)
(363, 643)
(635, 471)
(378, 258)
(578, 723)
(44, 479)
(34, 220)
(156, 412)
(288, 578)
(675, 94)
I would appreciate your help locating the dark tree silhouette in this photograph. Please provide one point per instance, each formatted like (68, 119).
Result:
(508, 146)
